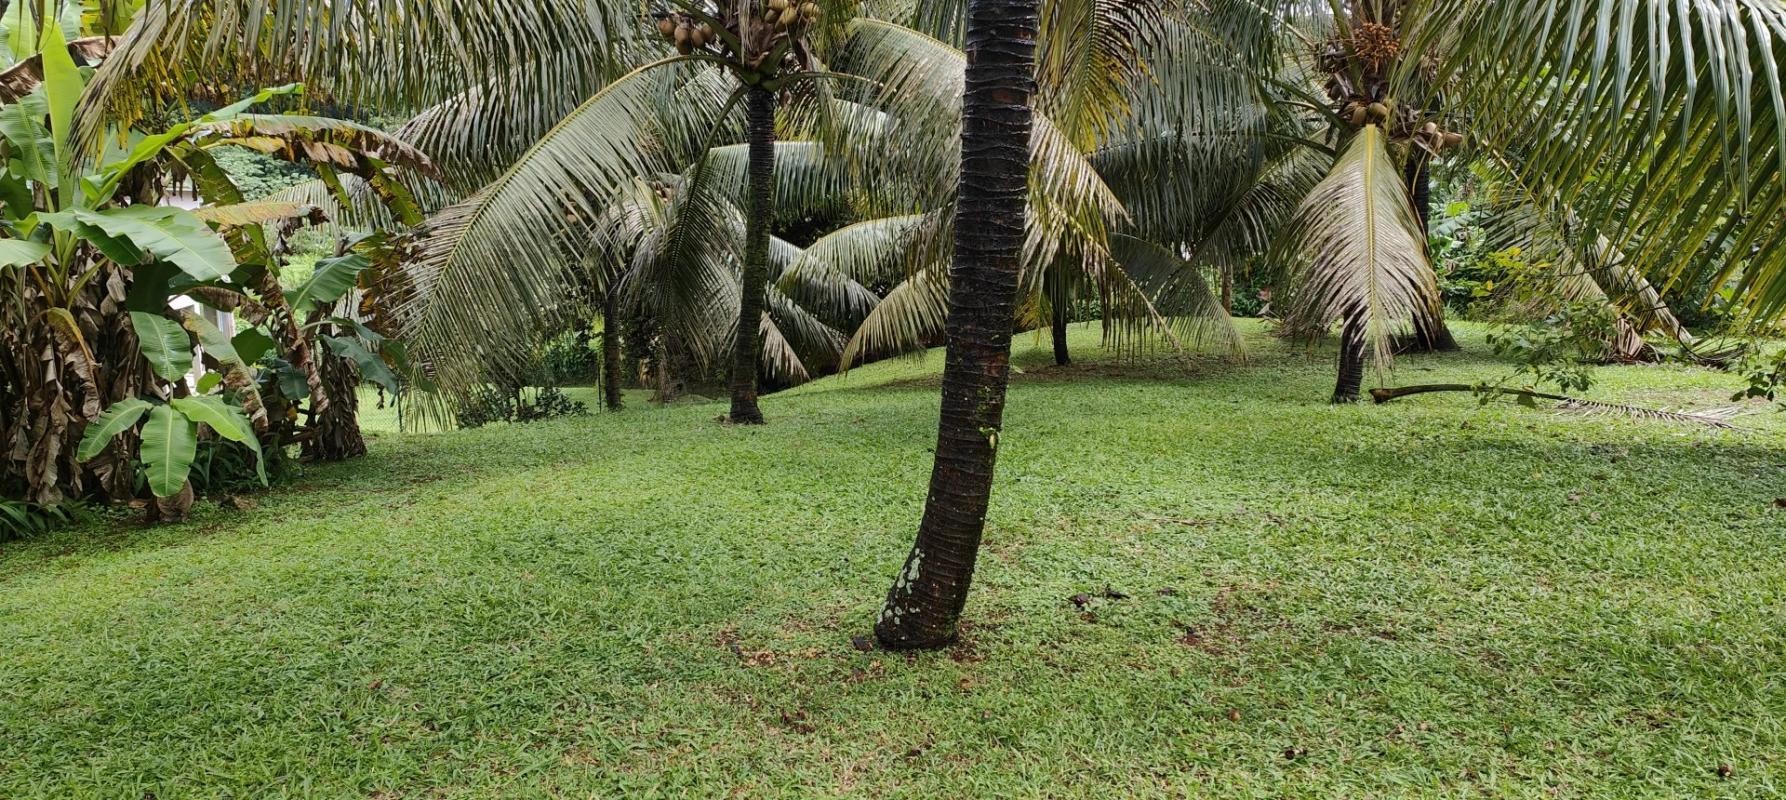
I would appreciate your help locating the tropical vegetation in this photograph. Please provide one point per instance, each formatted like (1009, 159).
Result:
(235, 233)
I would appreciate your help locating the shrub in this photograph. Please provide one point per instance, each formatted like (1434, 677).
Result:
(19, 519)
(524, 404)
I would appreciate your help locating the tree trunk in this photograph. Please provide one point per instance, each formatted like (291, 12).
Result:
(337, 435)
(746, 347)
(1057, 306)
(923, 609)
(611, 349)
(1351, 361)
(1433, 335)
(1228, 289)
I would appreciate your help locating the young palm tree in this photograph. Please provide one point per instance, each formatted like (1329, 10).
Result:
(923, 609)
(1610, 114)
(1070, 254)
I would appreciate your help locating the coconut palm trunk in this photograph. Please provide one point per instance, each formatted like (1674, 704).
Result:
(1228, 289)
(1433, 335)
(1351, 362)
(747, 345)
(611, 349)
(923, 609)
(1058, 318)
(1059, 326)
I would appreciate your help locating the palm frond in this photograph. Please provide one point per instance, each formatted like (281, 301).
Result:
(1088, 54)
(387, 54)
(833, 273)
(1176, 293)
(1362, 252)
(494, 266)
(1660, 123)
(904, 320)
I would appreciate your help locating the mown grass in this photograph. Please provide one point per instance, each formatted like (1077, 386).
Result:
(1282, 599)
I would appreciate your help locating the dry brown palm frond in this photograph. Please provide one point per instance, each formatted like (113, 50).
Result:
(20, 79)
(1710, 417)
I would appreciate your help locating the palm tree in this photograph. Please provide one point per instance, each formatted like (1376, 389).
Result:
(675, 243)
(923, 609)
(1072, 253)
(1607, 116)
(540, 110)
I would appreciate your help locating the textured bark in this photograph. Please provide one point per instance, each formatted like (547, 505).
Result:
(1351, 361)
(923, 609)
(611, 350)
(50, 390)
(746, 346)
(283, 322)
(337, 436)
(167, 510)
(1432, 335)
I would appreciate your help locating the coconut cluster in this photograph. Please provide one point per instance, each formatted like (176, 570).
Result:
(1401, 122)
(786, 15)
(1436, 139)
(1375, 45)
(690, 34)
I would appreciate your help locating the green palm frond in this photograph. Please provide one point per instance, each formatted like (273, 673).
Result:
(904, 322)
(804, 335)
(832, 275)
(1518, 220)
(387, 54)
(685, 271)
(477, 133)
(494, 266)
(1087, 57)
(1174, 291)
(1661, 124)
(1362, 255)
(807, 179)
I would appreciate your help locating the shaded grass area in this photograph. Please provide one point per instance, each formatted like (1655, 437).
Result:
(1280, 599)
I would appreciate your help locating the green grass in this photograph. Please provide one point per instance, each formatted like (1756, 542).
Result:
(1417, 600)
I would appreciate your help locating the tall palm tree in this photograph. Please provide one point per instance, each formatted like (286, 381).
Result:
(923, 609)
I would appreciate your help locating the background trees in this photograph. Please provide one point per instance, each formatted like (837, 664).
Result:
(805, 157)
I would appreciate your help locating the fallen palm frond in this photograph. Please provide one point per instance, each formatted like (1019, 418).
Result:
(1715, 417)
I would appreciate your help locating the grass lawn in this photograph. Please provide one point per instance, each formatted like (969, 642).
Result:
(1283, 599)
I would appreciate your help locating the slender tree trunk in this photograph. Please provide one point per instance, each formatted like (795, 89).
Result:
(611, 349)
(1351, 360)
(1057, 322)
(923, 609)
(1433, 335)
(746, 347)
(1418, 174)
(1228, 289)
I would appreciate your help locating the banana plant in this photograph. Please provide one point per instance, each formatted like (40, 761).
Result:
(169, 432)
(91, 259)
